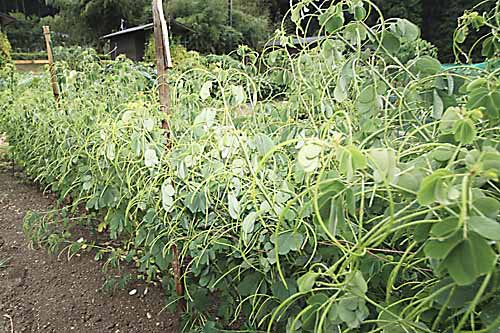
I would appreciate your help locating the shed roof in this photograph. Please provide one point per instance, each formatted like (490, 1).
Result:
(6, 19)
(175, 24)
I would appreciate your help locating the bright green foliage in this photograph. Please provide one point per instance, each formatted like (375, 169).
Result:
(178, 52)
(5, 50)
(345, 188)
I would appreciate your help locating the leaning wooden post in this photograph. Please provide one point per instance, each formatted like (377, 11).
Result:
(48, 43)
(164, 61)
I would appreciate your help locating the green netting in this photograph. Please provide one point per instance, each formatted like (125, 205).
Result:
(481, 65)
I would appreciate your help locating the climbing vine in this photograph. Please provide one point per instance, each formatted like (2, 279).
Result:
(349, 187)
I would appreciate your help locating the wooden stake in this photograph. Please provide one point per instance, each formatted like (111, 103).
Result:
(48, 44)
(164, 61)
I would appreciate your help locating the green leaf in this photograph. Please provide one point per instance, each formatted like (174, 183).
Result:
(167, 193)
(469, 260)
(357, 284)
(295, 13)
(439, 249)
(239, 95)
(461, 34)
(486, 227)
(491, 46)
(445, 228)
(234, 206)
(489, 207)
(110, 151)
(137, 143)
(263, 143)
(308, 157)
(355, 33)
(340, 91)
(331, 209)
(150, 158)
(149, 124)
(368, 95)
(332, 19)
(250, 284)
(353, 311)
(306, 282)
(455, 297)
(369, 99)
(109, 197)
(426, 66)
(248, 223)
(437, 106)
(391, 42)
(421, 232)
(205, 90)
(317, 299)
(281, 292)
(196, 202)
(289, 241)
(450, 117)
(205, 118)
(405, 30)
(383, 162)
(434, 187)
(442, 154)
(359, 12)
(350, 159)
(410, 180)
(465, 131)
(486, 97)
(489, 315)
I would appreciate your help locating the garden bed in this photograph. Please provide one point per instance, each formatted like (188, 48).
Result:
(46, 293)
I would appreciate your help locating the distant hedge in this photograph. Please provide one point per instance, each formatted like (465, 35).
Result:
(59, 54)
(29, 55)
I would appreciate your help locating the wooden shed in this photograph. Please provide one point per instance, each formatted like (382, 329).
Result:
(6, 19)
(132, 42)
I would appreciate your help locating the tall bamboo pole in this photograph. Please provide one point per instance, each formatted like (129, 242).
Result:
(48, 44)
(164, 61)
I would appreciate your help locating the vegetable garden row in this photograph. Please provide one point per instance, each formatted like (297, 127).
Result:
(352, 187)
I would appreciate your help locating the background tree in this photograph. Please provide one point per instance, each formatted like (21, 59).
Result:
(95, 18)
(82, 22)
(210, 22)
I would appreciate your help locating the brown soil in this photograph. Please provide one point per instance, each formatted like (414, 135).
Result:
(42, 293)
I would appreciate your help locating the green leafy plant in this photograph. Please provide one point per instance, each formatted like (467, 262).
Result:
(342, 188)
(5, 50)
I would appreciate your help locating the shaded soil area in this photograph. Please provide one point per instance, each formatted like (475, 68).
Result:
(43, 293)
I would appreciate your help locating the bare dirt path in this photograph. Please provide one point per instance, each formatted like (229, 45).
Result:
(40, 293)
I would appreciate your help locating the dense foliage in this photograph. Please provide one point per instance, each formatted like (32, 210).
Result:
(83, 22)
(352, 187)
(26, 33)
(213, 31)
(5, 50)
